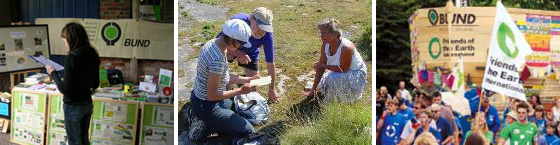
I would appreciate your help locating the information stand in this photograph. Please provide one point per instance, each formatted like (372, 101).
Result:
(56, 129)
(157, 124)
(28, 118)
(113, 122)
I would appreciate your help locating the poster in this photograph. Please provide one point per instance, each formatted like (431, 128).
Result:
(132, 38)
(555, 51)
(165, 77)
(105, 142)
(58, 138)
(158, 136)
(114, 111)
(57, 123)
(29, 101)
(112, 130)
(538, 42)
(27, 135)
(163, 116)
(28, 118)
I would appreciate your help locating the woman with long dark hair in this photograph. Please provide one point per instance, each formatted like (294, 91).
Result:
(81, 78)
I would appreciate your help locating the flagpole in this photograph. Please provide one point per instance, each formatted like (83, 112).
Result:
(481, 99)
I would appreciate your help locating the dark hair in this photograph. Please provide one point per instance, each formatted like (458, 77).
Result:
(522, 105)
(76, 36)
(435, 95)
(538, 99)
(422, 103)
(552, 125)
(229, 40)
(475, 138)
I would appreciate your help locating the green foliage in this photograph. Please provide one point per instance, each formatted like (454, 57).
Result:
(341, 124)
(210, 2)
(364, 42)
(393, 41)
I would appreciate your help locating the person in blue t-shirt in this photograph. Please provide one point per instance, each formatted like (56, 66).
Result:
(391, 124)
(551, 139)
(404, 110)
(443, 125)
(539, 119)
(492, 116)
(260, 22)
(424, 125)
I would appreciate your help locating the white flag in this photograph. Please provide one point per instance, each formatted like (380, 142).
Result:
(506, 56)
(459, 75)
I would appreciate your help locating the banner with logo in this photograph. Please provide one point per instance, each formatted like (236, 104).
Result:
(122, 38)
(150, 12)
(506, 56)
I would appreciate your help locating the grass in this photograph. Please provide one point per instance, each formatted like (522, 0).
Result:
(297, 48)
(210, 2)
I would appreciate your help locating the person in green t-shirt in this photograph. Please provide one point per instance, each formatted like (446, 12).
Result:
(479, 125)
(521, 132)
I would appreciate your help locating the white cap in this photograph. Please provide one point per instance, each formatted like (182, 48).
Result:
(238, 30)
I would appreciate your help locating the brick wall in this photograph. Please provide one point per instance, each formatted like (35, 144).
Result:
(145, 67)
(115, 9)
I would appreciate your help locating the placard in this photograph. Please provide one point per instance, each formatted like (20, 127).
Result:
(56, 129)
(28, 117)
(157, 124)
(18, 42)
(113, 121)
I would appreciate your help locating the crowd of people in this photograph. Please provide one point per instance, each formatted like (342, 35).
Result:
(419, 117)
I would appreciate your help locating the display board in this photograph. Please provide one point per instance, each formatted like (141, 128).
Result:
(113, 122)
(157, 124)
(119, 38)
(28, 117)
(18, 42)
(56, 129)
(440, 36)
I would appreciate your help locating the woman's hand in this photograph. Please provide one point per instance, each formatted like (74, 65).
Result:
(49, 69)
(309, 93)
(246, 88)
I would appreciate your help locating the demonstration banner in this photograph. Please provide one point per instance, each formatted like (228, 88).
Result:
(121, 38)
(506, 56)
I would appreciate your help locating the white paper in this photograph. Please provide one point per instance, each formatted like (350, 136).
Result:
(28, 135)
(57, 123)
(17, 34)
(163, 116)
(112, 131)
(58, 138)
(158, 136)
(46, 61)
(261, 81)
(148, 87)
(165, 77)
(28, 118)
(29, 101)
(114, 111)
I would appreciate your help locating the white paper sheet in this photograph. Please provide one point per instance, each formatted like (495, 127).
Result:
(158, 136)
(163, 116)
(114, 111)
(29, 101)
(261, 81)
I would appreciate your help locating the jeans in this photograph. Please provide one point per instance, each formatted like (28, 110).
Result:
(77, 119)
(219, 118)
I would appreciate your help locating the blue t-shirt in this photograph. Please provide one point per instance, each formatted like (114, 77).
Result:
(552, 139)
(432, 131)
(407, 113)
(541, 124)
(267, 41)
(444, 127)
(492, 119)
(393, 126)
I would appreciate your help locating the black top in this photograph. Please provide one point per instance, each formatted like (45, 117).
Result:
(81, 76)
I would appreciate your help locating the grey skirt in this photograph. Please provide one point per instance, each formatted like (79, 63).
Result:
(345, 87)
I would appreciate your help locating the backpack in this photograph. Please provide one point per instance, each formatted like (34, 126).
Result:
(260, 138)
(252, 107)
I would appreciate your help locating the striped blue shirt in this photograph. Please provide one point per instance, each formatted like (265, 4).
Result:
(210, 60)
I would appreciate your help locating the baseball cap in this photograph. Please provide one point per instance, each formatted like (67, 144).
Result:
(238, 30)
(264, 18)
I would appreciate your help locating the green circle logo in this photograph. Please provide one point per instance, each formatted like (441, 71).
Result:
(432, 16)
(434, 40)
(504, 32)
(111, 32)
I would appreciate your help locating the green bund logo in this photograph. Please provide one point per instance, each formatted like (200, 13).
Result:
(504, 31)
(433, 16)
(111, 33)
(434, 40)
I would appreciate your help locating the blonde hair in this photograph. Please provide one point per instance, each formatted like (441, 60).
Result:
(475, 127)
(331, 25)
(426, 138)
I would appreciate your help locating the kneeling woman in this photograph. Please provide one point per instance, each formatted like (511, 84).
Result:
(346, 77)
(209, 92)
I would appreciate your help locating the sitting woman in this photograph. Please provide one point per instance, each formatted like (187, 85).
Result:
(346, 75)
(209, 93)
